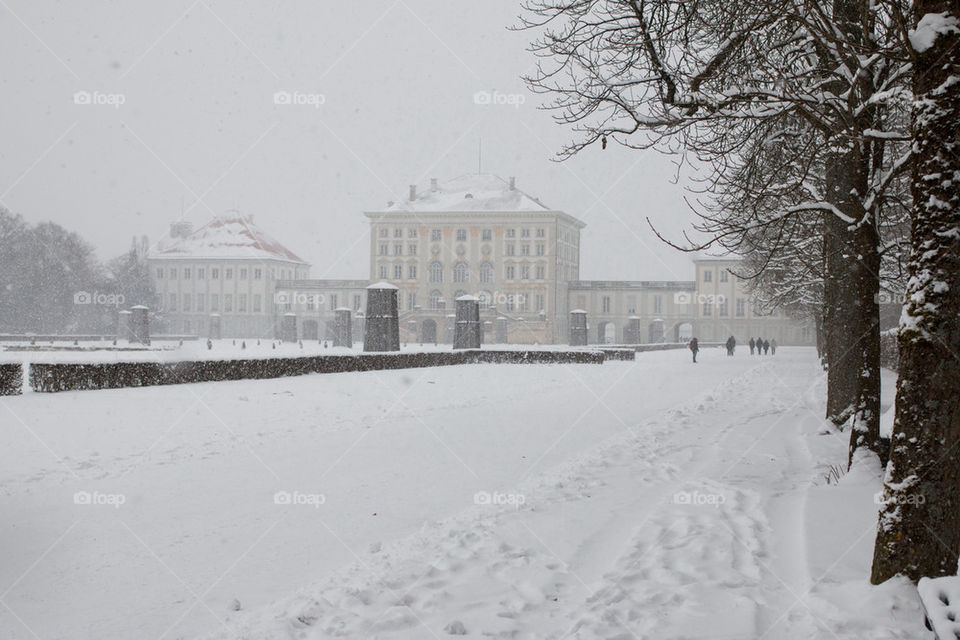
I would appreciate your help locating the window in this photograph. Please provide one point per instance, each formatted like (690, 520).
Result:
(383, 272)
(708, 276)
(384, 249)
(525, 233)
(541, 232)
(228, 302)
(412, 233)
(173, 302)
(525, 272)
(214, 302)
(398, 272)
(525, 250)
(186, 273)
(724, 275)
(256, 303)
(214, 274)
(541, 272)
(242, 303)
(707, 308)
(510, 272)
(541, 250)
(384, 232)
(333, 302)
(411, 301)
(228, 274)
(200, 273)
(511, 250)
(436, 235)
(200, 300)
(539, 299)
(511, 303)
(257, 274)
(461, 235)
(412, 249)
(412, 272)
(310, 304)
(511, 233)
(486, 299)
(486, 272)
(461, 272)
(159, 273)
(187, 300)
(356, 302)
(722, 306)
(605, 304)
(741, 307)
(243, 274)
(436, 300)
(398, 249)
(435, 271)
(173, 273)
(658, 304)
(486, 235)
(398, 233)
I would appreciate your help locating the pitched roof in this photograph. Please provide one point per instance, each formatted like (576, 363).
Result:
(470, 192)
(228, 236)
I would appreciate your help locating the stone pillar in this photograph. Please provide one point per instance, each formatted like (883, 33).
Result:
(632, 333)
(288, 328)
(448, 329)
(140, 324)
(414, 336)
(467, 330)
(578, 328)
(216, 326)
(343, 327)
(501, 331)
(382, 326)
(656, 330)
(123, 326)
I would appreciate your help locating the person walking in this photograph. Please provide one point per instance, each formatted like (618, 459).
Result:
(773, 347)
(759, 346)
(752, 345)
(731, 345)
(695, 348)
(766, 347)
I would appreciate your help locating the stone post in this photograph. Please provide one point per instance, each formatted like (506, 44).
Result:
(140, 324)
(413, 335)
(343, 327)
(288, 327)
(216, 326)
(448, 329)
(578, 328)
(501, 330)
(124, 331)
(382, 326)
(467, 330)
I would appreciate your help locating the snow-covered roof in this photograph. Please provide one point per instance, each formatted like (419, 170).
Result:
(228, 236)
(470, 192)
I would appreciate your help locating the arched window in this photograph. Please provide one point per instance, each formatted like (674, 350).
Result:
(459, 293)
(486, 272)
(436, 299)
(486, 299)
(436, 272)
(461, 272)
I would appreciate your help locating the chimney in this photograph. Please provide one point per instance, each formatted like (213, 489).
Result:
(513, 183)
(413, 192)
(433, 184)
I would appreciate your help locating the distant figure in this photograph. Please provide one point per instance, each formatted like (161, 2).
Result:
(731, 345)
(759, 346)
(753, 344)
(695, 348)
(766, 347)
(773, 347)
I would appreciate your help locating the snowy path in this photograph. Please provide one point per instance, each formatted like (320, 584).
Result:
(660, 500)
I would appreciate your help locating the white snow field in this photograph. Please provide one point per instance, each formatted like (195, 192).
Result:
(654, 499)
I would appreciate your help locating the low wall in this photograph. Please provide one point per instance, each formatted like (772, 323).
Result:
(115, 375)
(658, 346)
(11, 379)
(625, 353)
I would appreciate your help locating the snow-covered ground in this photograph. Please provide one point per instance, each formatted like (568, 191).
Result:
(649, 499)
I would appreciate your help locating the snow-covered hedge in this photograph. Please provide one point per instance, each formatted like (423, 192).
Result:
(113, 375)
(11, 379)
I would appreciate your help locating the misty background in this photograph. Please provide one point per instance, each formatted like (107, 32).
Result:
(177, 115)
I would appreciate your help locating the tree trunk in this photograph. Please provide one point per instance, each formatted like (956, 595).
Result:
(919, 529)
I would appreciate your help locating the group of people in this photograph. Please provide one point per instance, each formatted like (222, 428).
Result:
(758, 345)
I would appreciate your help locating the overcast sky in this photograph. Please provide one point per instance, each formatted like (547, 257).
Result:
(182, 116)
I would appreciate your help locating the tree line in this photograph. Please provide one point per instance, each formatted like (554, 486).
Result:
(826, 137)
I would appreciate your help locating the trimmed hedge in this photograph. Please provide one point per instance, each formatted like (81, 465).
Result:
(619, 354)
(11, 379)
(116, 375)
